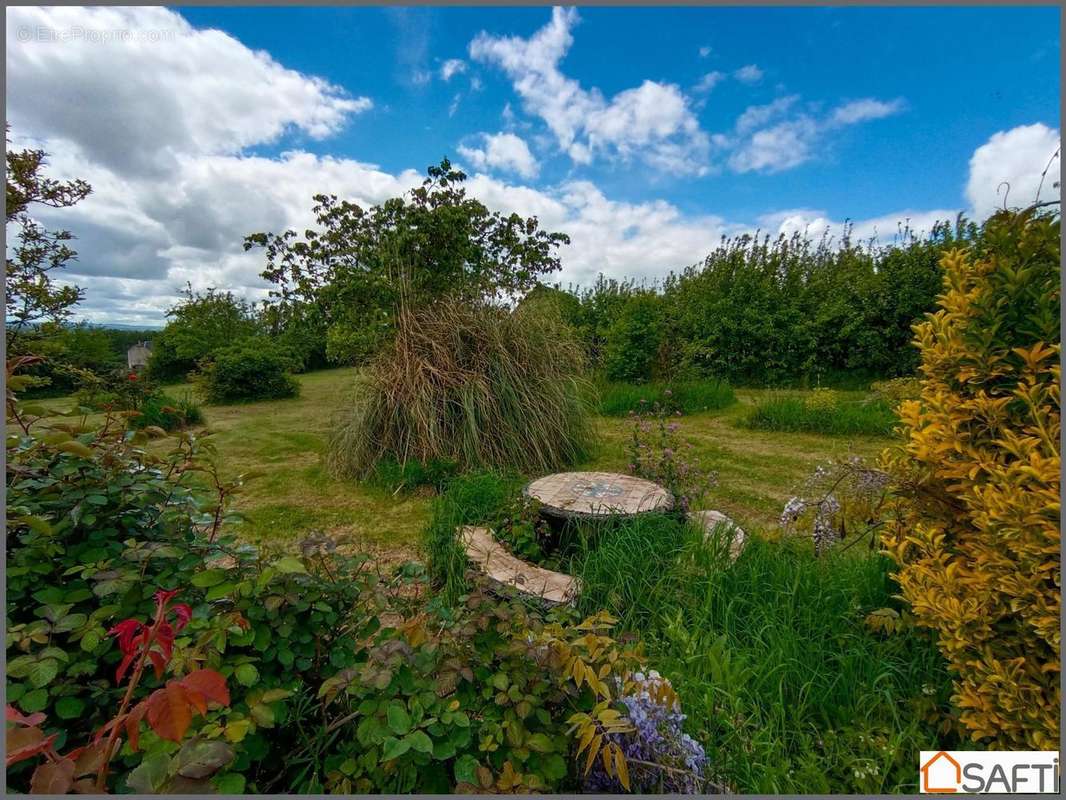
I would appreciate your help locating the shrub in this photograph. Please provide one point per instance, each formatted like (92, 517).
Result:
(632, 342)
(794, 414)
(688, 396)
(251, 370)
(895, 391)
(474, 384)
(163, 411)
(977, 537)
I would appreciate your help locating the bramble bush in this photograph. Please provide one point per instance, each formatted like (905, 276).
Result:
(976, 534)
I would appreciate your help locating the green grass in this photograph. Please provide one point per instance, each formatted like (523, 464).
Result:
(848, 418)
(689, 397)
(776, 669)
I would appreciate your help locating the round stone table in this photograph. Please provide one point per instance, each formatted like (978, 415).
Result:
(595, 495)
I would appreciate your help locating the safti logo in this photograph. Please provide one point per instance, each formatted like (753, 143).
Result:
(989, 772)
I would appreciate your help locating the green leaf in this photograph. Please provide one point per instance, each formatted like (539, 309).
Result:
(247, 675)
(290, 565)
(540, 743)
(419, 741)
(220, 591)
(398, 718)
(230, 783)
(202, 758)
(69, 707)
(466, 769)
(501, 681)
(90, 640)
(34, 701)
(208, 578)
(394, 748)
(554, 767)
(43, 672)
(150, 775)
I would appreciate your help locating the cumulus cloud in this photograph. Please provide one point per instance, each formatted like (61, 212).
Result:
(705, 51)
(652, 121)
(882, 230)
(451, 67)
(502, 151)
(139, 104)
(749, 74)
(1014, 158)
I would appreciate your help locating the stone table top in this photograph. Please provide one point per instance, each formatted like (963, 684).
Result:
(596, 494)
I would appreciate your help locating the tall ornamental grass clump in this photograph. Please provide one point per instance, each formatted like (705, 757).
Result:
(976, 533)
(474, 384)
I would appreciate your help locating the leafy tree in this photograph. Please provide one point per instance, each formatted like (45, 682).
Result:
(363, 265)
(200, 325)
(33, 296)
(632, 342)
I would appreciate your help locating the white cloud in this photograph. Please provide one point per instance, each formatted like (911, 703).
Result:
(139, 104)
(451, 67)
(749, 74)
(779, 147)
(708, 82)
(759, 146)
(866, 109)
(502, 151)
(1016, 157)
(884, 230)
(652, 121)
(705, 51)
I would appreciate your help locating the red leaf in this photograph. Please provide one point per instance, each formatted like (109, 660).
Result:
(125, 631)
(208, 683)
(53, 777)
(164, 596)
(133, 723)
(183, 613)
(16, 716)
(158, 662)
(164, 637)
(169, 713)
(88, 760)
(23, 743)
(123, 666)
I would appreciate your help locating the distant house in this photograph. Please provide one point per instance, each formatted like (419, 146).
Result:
(137, 355)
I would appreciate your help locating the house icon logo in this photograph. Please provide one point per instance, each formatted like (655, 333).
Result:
(941, 774)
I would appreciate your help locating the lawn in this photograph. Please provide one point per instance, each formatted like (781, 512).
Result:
(283, 440)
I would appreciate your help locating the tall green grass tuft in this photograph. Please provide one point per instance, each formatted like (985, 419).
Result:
(479, 498)
(481, 386)
(840, 418)
(689, 397)
(779, 674)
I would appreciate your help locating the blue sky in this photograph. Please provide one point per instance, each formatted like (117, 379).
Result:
(963, 73)
(645, 134)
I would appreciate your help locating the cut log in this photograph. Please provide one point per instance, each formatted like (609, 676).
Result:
(503, 568)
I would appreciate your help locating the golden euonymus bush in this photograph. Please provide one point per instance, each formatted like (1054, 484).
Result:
(976, 530)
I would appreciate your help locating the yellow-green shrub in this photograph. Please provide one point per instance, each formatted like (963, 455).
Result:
(977, 530)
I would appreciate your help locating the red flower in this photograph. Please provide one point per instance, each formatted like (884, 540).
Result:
(132, 376)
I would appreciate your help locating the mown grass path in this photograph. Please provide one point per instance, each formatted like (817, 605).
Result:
(295, 495)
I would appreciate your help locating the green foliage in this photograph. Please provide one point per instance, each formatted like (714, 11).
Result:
(351, 278)
(782, 678)
(686, 396)
(200, 326)
(163, 411)
(394, 476)
(254, 369)
(633, 339)
(778, 412)
(478, 385)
